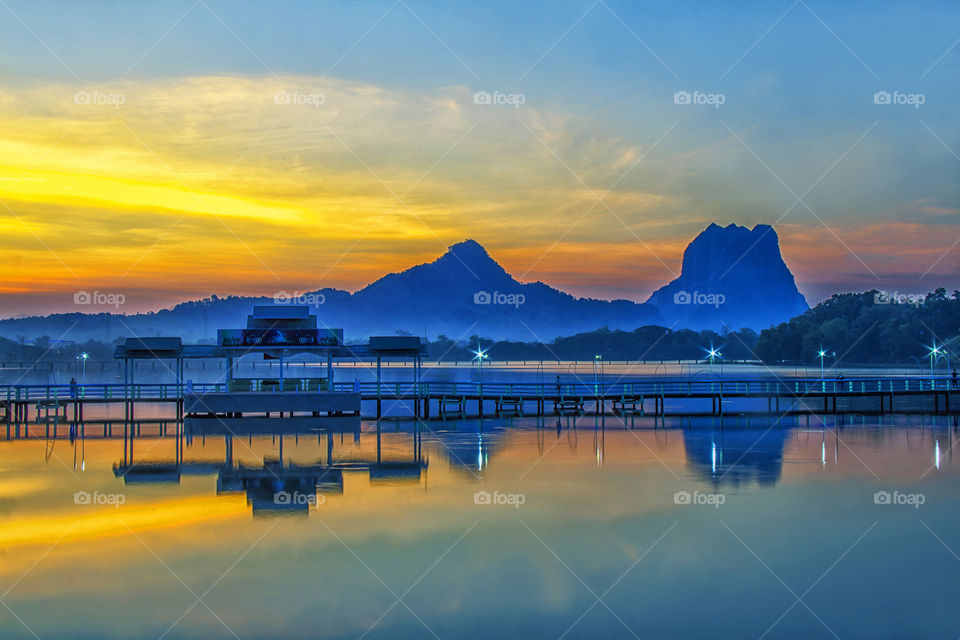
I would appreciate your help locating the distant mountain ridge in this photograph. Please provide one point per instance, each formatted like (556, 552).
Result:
(465, 292)
(731, 277)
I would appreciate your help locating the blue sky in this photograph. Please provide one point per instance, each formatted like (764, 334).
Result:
(598, 80)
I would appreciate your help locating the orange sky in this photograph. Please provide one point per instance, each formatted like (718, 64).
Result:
(253, 195)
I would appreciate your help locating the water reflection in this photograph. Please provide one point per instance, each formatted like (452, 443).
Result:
(470, 444)
(736, 456)
(277, 485)
(730, 451)
(197, 499)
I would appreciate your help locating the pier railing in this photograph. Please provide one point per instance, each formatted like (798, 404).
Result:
(624, 388)
(700, 387)
(119, 391)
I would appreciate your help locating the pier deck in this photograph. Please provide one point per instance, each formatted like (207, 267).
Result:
(22, 404)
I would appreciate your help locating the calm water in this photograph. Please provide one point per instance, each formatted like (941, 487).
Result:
(594, 530)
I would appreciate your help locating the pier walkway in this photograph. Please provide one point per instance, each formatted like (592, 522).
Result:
(20, 404)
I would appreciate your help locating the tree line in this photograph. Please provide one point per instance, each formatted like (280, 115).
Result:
(851, 328)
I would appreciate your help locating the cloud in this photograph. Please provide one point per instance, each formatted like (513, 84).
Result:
(132, 178)
(232, 183)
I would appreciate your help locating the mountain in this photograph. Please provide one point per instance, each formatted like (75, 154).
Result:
(731, 277)
(462, 293)
(465, 292)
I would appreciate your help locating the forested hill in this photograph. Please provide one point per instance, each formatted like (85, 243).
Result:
(869, 327)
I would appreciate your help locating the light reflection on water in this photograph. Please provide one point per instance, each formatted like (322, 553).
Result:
(505, 527)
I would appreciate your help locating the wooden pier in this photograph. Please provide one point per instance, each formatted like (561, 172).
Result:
(31, 404)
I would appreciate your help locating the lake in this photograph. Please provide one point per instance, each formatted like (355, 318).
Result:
(569, 527)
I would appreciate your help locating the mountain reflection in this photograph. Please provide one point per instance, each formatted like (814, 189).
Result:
(306, 458)
(469, 444)
(736, 455)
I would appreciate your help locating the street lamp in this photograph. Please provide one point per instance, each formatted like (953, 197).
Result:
(480, 355)
(822, 354)
(934, 352)
(83, 359)
(597, 364)
(713, 353)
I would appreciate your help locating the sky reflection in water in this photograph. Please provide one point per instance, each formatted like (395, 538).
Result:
(592, 530)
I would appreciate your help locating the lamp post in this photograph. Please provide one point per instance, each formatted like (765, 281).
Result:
(597, 365)
(934, 352)
(83, 359)
(822, 354)
(713, 354)
(480, 355)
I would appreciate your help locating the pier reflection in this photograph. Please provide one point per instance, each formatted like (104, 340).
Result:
(278, 484)
(293, 464)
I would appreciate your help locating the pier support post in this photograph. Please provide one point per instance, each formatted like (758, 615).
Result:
(378, 388)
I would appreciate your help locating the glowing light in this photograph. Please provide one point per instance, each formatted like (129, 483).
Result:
(936, 455)
(713, 458)
(713, 352)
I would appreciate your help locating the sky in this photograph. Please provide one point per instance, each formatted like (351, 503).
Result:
(173, 150)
